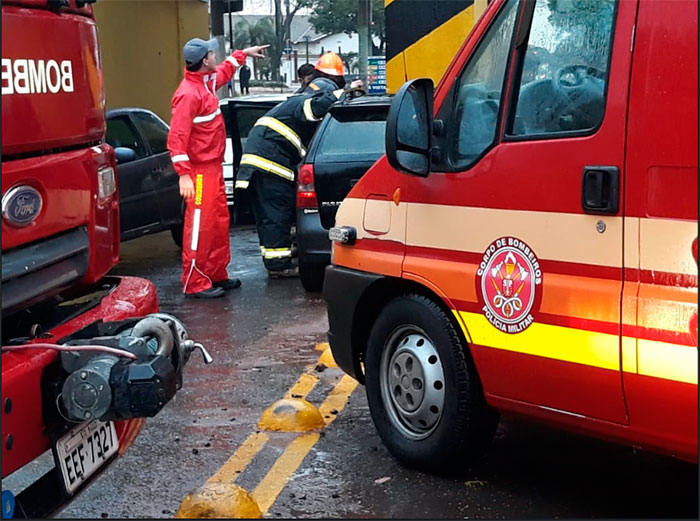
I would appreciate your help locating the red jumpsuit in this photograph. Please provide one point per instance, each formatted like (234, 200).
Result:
(196, 142)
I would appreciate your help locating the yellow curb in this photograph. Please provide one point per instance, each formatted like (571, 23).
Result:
(219, 501)
(327, 359)
(291, 415)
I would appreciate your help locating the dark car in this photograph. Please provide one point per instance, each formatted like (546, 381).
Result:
(348, 141)
(240, 114)
(149, 192)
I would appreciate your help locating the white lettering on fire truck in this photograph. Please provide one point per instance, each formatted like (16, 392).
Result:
(36, 76)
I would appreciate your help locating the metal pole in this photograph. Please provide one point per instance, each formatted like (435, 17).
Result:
(230, 27)
(307, 49)
(363, 14)
(296, 64)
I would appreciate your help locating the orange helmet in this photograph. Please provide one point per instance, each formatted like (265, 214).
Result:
(330, 63)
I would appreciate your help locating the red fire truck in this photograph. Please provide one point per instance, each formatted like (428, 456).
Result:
(85, 356)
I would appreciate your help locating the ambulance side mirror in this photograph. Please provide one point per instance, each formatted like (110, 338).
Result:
(409, 128)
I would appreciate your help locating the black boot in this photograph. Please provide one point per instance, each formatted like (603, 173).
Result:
(228, 284)
(212, 292)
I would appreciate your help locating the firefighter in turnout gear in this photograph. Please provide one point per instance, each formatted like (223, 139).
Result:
(196, 142)
(275, 146)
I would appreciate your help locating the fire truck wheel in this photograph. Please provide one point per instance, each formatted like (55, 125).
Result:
(423, 390)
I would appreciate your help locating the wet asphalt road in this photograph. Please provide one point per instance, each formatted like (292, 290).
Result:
(263, 337)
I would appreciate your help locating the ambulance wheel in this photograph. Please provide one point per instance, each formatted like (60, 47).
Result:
(311, 275)
(424, 394)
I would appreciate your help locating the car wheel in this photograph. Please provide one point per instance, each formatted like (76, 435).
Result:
(176, 231)
(311, 275)
(424, 394)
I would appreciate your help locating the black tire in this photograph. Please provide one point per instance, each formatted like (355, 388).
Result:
(176, 232)
(451, 425)
(311, 275)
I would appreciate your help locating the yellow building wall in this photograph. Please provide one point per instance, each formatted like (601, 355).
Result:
(141, 43)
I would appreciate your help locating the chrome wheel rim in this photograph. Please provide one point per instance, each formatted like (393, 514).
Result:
(412, 382)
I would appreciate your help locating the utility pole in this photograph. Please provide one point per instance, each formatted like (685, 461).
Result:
(307, 48)
(363, 29)
(230, 27)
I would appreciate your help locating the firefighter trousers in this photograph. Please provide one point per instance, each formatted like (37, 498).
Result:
(273, 201)
(205, 241)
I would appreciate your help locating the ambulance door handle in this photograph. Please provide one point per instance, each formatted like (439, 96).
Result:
(601, 189)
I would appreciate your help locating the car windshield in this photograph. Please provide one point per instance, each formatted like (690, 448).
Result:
(355, 136)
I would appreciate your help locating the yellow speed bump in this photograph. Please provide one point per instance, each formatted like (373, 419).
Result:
(291, 415)
(327, 359)
(219, 501)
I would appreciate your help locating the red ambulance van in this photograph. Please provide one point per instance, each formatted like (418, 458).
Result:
(529, 242)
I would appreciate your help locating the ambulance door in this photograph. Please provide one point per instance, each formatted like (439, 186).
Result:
(660, 342)
(528, 213)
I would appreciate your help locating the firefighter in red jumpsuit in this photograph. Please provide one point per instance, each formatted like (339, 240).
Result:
(196, 142)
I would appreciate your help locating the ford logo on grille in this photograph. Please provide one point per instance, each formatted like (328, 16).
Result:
(21, 205)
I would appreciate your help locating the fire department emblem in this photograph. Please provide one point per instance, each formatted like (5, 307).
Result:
(508, 281)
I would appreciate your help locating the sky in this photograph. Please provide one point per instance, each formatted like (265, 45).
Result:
(259, 7)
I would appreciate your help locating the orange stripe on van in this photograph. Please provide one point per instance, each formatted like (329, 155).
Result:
(364, 256)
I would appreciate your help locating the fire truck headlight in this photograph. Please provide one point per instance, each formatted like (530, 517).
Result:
(106, 183)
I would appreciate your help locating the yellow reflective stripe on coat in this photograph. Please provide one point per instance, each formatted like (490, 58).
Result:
(308, 113)
(242, 184)
(208, 117)
(284, 130)
(267, 165)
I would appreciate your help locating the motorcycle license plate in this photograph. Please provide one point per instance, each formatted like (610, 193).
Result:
(84, 450)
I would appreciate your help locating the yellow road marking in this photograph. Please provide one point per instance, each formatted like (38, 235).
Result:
(337, 398)
(303, 386)
(289, 461)
(293, 455)
(276, 478)
(237, 463)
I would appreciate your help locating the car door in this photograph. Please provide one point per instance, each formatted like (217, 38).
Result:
(344, 147)
(154, 132)
(137, 208)
(242, 118)
(526, 197)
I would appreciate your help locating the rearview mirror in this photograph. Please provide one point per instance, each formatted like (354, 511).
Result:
(409, 128)
(124, 155)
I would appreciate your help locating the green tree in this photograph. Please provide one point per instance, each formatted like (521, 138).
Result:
(262, 32)
(340, 16)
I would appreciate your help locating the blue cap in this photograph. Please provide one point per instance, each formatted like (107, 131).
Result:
(196, 49)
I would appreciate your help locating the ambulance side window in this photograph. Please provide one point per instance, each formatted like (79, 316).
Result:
(565, 71)
(472, 126)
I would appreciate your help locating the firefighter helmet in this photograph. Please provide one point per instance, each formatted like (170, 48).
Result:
(330, 63)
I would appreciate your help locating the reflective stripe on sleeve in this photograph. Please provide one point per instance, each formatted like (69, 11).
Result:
(308, 113)
(208, 117)
(242, 184)
(180, 157)
(233, 60)
(268, 166)
(284, 130)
